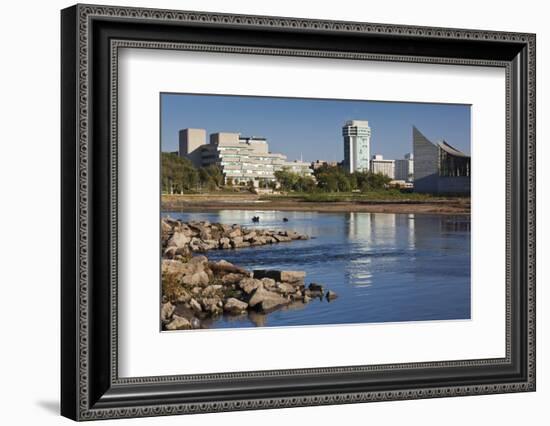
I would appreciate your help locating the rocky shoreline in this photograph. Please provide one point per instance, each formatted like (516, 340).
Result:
(197, 291)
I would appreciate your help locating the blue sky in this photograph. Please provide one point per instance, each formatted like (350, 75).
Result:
(312, 128)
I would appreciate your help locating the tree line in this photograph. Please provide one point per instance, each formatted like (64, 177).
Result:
(180, 176)
(331, 179)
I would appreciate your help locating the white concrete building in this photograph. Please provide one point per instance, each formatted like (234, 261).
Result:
(356, 135)
(297, 166)
(379, 165)
(241, 159)
(404, 168)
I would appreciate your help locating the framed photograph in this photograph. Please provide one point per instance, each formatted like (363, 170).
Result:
(263, 212)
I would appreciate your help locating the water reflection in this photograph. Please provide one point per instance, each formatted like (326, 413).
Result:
(384, 267)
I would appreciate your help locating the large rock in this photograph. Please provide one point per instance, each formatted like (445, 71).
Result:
(210, 244)
(199, 278)
(213, 305)
(233, 278)
(225, 243)
(235, 306)
(235, 233)
(238, 242)
(281, 276)
(223, 267)
(249, 236)
(178, 323)
(242, 244)
(170, 252)
(226, 229)
(269, 283)
(179, 239)
(285, 288)
(196, 306)
(267, 301)
(248, 285)
(166, 312)
(282, 238)
(212, 290)
(270, 305)
(174, 267)
(198, 260)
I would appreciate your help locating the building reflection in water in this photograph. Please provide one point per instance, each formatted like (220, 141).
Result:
(380, 235)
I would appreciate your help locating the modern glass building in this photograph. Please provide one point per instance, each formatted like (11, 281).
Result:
(439, 168)
(356, 135)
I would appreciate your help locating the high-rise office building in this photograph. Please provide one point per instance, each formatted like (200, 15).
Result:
(356, 135)
(404, 168)
(385, 167)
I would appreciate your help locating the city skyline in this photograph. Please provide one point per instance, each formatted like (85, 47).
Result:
(312, 127)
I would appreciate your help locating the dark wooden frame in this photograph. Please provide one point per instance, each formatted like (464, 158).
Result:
(90, 386)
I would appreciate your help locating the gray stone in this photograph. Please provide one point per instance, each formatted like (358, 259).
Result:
(178, 323)
(174, 267)
(223, 267)
(199, 278)
(235, 233)
(259, 241)
(196, 306)
(241, 244)
(285, 288)
(249, 236)
(267, 300)
(235, 306)
(269, 283)
(166, 311)
(210, 244)
(281, 276)
(212, 290)
(170, 252)
(212, 305)
(281, 238)
(225, 243)
(248, 285)
(232, 278)
(179, 239)
(198, 260)
(270, 305)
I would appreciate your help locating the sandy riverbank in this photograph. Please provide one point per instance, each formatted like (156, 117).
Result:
(211, 202)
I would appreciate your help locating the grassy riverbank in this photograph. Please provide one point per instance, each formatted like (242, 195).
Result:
(374, 202)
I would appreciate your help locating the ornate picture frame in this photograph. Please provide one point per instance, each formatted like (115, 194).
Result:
(91, 386)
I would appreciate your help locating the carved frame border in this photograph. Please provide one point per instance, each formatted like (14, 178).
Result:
(87, 12)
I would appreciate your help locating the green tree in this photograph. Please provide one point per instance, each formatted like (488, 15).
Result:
(177, 174)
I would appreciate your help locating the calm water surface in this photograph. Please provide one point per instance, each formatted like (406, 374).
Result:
(384, 267)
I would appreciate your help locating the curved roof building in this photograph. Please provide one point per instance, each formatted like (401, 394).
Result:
(439, 168)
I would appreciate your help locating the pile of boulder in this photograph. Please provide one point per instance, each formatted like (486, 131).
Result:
(182, 238)
(196, 291)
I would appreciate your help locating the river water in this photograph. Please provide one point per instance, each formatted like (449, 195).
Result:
(384, 267)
